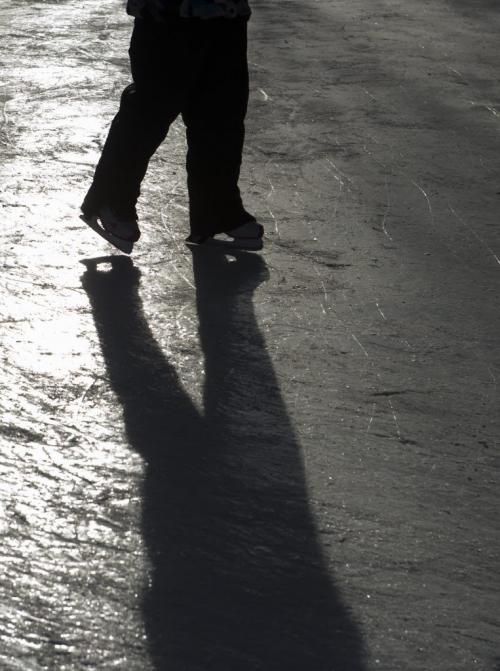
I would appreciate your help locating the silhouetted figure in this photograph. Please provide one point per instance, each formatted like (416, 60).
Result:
(238, 580)
(187, 58)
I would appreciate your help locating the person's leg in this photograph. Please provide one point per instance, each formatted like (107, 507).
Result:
(147, 108)
(214, 117)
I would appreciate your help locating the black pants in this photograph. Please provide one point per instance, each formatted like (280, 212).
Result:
(197, 68)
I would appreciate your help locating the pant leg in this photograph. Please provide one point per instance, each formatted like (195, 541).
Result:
(147, 108)
(214, 116)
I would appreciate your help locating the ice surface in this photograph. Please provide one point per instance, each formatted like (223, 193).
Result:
(278, 461)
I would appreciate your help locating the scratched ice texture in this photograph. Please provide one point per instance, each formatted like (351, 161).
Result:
(285, 461)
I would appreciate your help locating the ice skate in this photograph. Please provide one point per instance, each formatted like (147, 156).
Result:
(121, 232)
(248, 237)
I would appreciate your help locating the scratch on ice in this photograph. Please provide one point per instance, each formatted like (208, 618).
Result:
(395, 417)
(339, 175)
(425, 196)
(380, 311)
(325, 292)
(387, 210)
(478, 238)
(473, 232)
(360, 345)
(372, 415)
(269, 195)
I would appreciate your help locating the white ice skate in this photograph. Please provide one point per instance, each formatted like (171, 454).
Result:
(122, 233)
(248, 237)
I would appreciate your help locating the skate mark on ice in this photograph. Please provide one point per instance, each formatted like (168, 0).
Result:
(395, 417)
(343, 178)
(7, 140)
(322, 284)
(489, 108)
(428, 200)
(372, 415)
(81, 399)
(268, 197)
(380, 311)
(458, 73)
(338, 176)
(392, 409)
(473, 233)
(387, 210)
(358, 343)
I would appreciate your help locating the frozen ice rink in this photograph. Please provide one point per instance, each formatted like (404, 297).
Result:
(285, 461)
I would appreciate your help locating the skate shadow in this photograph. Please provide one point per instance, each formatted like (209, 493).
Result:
(238, 580)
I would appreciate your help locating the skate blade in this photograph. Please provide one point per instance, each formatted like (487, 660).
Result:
(123, 245)
(245, 244)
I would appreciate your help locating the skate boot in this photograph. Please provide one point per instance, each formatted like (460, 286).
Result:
(122, 231)
(246, 236)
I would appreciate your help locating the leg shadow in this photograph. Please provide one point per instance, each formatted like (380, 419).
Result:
(238, 581)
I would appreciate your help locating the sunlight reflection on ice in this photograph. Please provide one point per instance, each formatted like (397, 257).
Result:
(53, 347)
(58, 438)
